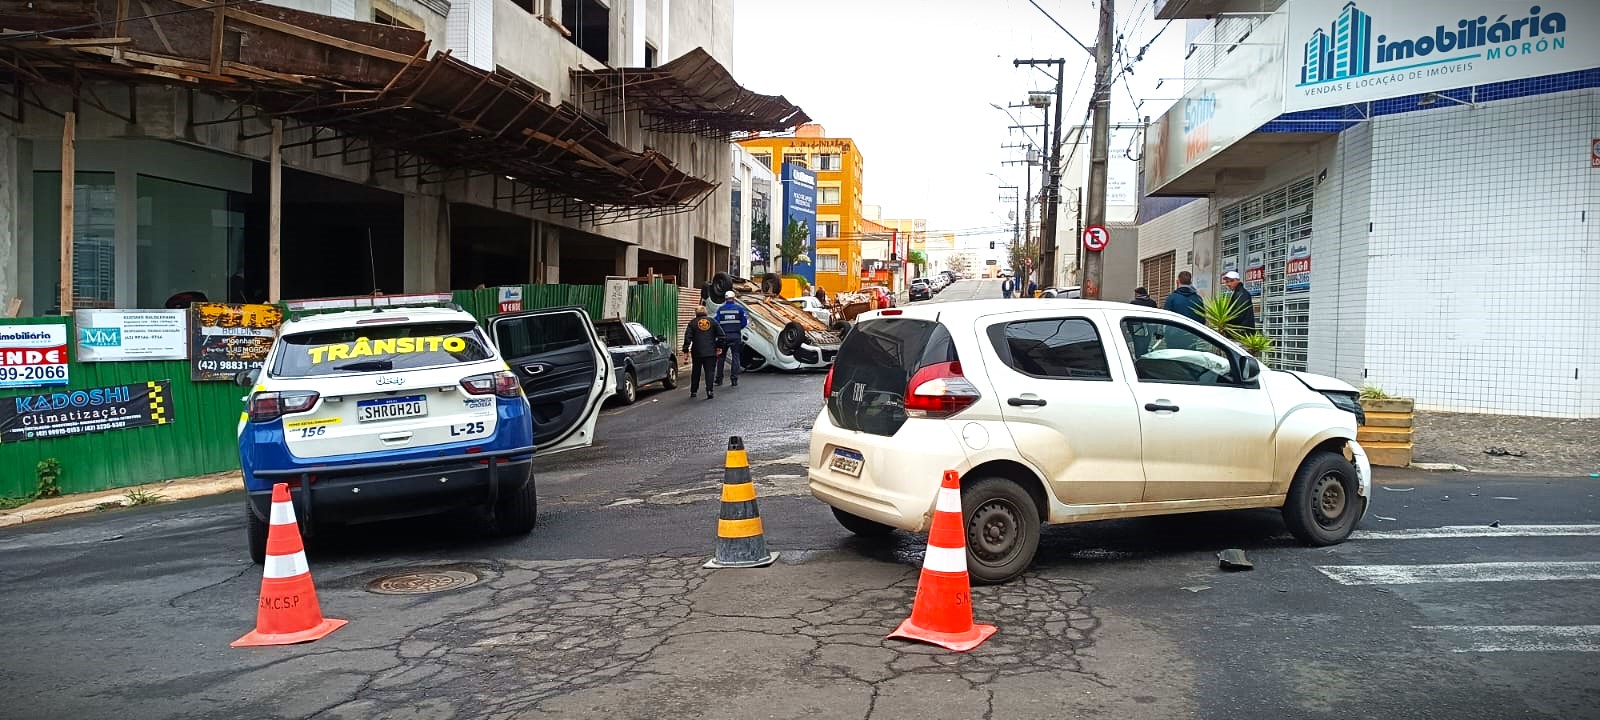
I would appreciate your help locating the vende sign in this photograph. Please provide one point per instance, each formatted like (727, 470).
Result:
(1348, 52)
(33, 355)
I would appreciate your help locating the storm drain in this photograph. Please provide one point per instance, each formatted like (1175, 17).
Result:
(422, 582)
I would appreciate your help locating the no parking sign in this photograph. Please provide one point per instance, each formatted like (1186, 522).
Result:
(1096, 238)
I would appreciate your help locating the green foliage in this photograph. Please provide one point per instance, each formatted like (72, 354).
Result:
(1259, 346)
(140, 496)
(48, 473)
(918, 258)
(1373, 392)
(6, 503)
(796, 241)
(1218, 312)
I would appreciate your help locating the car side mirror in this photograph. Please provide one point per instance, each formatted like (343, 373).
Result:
(1249, 369)
(246, 378)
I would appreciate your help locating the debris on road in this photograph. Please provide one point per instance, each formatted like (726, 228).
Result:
(1384, 517)
(1195, 588)
(1234, 559)
(1495, 524)
(1502, 452)
(1395, 489)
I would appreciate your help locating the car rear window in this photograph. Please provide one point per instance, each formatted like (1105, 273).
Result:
(875, 364)
(614, 334)
(379, 348)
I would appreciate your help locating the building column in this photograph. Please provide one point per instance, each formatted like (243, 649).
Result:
(69, 170)
(627, 261)
(427, 243)
(552, 252)
(10, 202)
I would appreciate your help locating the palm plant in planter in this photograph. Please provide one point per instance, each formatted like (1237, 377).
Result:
(1259, 346)
(1218, 313)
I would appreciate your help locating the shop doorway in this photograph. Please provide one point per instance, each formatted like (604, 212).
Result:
(1259, 238)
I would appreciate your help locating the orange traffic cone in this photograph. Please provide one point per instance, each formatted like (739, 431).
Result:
(288, 612)
(942, 612)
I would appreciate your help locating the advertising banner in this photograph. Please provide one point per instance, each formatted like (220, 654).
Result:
(33, 355)
(1297, 272)
(1349, 52)
(128, 335)
(510, 298)
(229, 339)
(800, 206)
(75, 412)
(1255, 272)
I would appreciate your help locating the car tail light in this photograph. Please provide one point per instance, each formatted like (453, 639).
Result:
(827, 385)
(939, 390)
(891, 313)
(269, 406)
(503, 383)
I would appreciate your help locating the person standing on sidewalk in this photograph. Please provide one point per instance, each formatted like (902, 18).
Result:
(732, 319)
(700, 341)
(1245, 322)
(1141, 297)
(1184, 299)
(1005, 288)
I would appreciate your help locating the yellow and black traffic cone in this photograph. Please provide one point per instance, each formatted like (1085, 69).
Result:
(740, 542)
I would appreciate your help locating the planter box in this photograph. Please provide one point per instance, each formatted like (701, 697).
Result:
(1387, 432)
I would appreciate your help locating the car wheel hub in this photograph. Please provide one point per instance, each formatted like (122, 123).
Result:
(992, 532)
(1329, 499)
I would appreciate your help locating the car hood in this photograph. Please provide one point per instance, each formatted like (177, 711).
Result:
(1322, 383)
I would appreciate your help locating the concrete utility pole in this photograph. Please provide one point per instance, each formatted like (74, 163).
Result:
(1052, 183)
(1093, 262)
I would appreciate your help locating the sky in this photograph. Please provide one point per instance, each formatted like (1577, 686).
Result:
(912, 82)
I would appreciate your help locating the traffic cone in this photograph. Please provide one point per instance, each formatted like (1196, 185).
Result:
(288, 612)
(942, 612)
(740, 542)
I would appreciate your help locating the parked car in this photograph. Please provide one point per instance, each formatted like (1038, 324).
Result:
(409, 411)
(921, 289)
(1070, 411)
(781, 336)
(813, 307)
(639, 356)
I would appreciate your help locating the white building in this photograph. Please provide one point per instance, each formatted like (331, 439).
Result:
(754, 238)
(558, 141)
(1407, 192)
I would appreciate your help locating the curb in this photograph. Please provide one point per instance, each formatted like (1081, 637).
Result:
(1439, 467)
(170, 490)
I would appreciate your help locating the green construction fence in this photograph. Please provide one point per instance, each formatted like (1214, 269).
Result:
(202, 436)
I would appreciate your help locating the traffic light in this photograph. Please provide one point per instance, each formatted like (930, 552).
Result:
(991, 244)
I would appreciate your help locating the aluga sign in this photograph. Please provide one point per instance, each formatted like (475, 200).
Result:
(1348, 55)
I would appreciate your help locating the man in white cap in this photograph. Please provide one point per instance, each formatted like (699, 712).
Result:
(732, 318)
(1245, 322)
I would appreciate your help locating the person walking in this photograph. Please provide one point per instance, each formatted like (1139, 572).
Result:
(700, 341)
(1184, 299)
(1141, 296)
(1245, 322)
(732, 319)
(821, 295)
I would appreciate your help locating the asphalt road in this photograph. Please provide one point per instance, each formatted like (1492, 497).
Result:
(604, 610)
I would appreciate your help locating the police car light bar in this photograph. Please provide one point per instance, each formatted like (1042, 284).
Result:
(369, 301)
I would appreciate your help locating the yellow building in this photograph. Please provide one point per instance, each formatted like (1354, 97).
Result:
(839, 168)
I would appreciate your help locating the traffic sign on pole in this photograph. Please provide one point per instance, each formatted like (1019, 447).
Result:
(1096, 238)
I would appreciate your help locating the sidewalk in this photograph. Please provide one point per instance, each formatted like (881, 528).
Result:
(179, 489)
(1558, 447)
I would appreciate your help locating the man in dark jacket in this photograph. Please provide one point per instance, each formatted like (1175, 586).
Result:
(1245, 321)
(1184, 299)
(700, 340)
(731, 317)
(1141, 296)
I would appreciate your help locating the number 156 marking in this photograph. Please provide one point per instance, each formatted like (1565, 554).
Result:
(471, 428)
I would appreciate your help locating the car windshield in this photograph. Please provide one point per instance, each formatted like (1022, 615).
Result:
(378, 348)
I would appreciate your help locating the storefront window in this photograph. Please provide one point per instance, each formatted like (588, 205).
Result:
(736, 244)
(760, 226)
(94, 252)
(191, 239)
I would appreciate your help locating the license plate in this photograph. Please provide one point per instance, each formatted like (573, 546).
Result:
(391, 408)
(848, 462)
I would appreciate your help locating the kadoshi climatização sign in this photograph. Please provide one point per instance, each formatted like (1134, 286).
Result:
(75, 412)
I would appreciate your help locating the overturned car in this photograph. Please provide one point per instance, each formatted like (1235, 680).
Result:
(779, 336)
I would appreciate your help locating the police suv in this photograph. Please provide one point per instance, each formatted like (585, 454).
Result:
(396, 412)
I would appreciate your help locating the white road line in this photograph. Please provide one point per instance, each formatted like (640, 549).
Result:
(1460, 572)
(1520, 638)
(1478, 531)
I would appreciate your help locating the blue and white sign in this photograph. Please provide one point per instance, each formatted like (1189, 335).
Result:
(1345, 51)
(127, 335)
(800, 205)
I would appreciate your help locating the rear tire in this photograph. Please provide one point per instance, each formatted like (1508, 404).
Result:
(721, 284)
(671, 380)
(860, 525)
(1002, 523)
(1322, 507)
(630, 388)
(790, 338)
(516, 513)
(255, 530)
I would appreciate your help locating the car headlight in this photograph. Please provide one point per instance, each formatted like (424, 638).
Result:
(1349, 402)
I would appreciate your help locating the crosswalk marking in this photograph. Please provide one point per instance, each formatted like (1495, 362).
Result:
(1478, 531)
(1520, 638)
(1460, 572)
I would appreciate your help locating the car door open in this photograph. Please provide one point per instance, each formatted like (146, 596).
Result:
(564, 368)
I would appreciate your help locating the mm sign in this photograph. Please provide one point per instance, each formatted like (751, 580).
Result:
(1096, 238)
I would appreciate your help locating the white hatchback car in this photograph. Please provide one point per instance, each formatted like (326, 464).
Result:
(1066, 411)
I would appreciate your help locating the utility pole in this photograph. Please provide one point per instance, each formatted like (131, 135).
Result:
(1052, 178)
(1093, 263)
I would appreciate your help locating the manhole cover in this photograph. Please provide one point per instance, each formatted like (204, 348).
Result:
(422, 582)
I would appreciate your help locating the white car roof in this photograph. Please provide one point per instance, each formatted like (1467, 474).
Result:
(350, 318)
(967, 310)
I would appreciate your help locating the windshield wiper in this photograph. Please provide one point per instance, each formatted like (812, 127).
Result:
(366, 365)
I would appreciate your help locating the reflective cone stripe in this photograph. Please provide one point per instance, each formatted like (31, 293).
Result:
(743, 492)
(737, 459)
(942, 612)
(288, 611)
(740, 539)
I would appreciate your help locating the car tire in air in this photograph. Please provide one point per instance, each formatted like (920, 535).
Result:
(721, 284)
(771, 284)
(671, 380)
(1323, 505)
(860, 525)
(516, 512)
(842, 327)
(790, 337)
(255, 535)
(1002, 522)
(630, 388)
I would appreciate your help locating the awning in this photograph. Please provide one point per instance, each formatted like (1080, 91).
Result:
(693, 94)
(429, 116)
